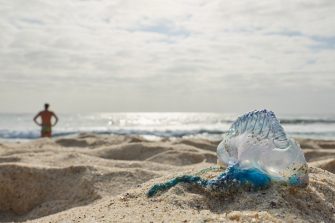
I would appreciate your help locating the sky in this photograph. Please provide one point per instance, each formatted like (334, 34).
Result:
(173, 56)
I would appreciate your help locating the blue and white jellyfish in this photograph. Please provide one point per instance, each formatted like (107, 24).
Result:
(257, 152)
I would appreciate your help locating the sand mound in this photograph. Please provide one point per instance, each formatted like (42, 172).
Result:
(28, 192)
(118, 181)
(199, 143)
(73, 142)
(328, 164)
(24, 188)
(165, 153)
(9, 159)
(312, 155)
(133, 151)
(318, 150)
(180, 158)
(92, 141)
(185, 203)
(315, 203)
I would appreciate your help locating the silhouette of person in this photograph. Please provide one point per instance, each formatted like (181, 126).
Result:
(46, 125)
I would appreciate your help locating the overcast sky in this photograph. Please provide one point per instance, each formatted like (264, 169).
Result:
(159, 55)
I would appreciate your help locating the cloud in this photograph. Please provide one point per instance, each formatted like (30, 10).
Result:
(191, 49)
(164, 27)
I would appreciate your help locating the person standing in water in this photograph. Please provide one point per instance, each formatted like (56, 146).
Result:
(46, 124)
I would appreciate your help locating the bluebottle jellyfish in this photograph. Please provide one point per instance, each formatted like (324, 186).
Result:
(257, 152)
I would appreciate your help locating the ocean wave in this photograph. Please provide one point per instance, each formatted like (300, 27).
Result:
(294, 121)
(8, 134)
(205, 133)
(307, 121)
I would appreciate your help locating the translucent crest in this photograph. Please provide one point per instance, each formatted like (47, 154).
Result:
(257, 140)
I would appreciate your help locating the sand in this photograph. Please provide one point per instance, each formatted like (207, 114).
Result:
(91, 178)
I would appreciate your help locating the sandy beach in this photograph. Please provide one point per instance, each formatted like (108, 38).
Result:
(98, 178)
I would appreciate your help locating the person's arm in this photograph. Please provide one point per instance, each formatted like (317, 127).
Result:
(56, 119)
(35, 119)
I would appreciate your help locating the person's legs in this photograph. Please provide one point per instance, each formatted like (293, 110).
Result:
(46, 131)
(45, 134)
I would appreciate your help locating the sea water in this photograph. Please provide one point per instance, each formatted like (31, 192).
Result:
(158, 125)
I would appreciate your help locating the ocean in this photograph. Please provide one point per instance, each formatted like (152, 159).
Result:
(158, 125)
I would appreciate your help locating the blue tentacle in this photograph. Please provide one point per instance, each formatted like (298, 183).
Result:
(195, 180)
(234, 177)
